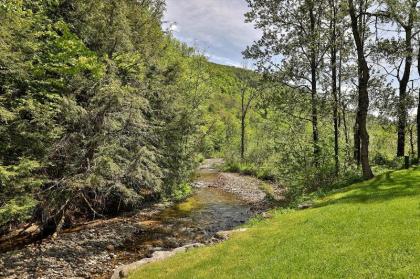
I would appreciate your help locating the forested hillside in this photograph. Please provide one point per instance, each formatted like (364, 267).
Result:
(99, 109)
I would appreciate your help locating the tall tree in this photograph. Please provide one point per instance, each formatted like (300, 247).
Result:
(314, 53)
(292, 32)
(418, 104)
(399, 53)
(408, 57)
(334, 79)
(249, 90)
(358, 31)
(98, 109)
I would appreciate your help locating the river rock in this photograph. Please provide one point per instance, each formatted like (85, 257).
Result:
(194, 245)
(224, 235)
(123, 271)
(110, 247)
(305, 205)
(95, 249)
(266, 215)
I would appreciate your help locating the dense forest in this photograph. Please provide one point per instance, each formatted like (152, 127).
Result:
(99, 109)
(103, 111)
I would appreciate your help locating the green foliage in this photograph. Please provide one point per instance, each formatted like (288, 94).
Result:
(181, 192)
(278, 137)
(99, 108)
(269, 191)
(17, 210)
(18, 184)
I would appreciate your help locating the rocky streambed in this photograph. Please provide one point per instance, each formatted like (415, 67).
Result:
(220, 202)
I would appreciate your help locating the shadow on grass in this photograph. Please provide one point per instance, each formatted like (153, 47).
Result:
(385, 187)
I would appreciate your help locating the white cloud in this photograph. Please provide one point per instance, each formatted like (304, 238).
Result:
(173, 27)
(215, 26)
(224, 60)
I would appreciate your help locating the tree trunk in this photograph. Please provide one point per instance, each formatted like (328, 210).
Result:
(315, 133)
(333, 27)
(418, 111)
(364, 135)
(402, 122)
(343, 106)
(402, 103)
(363, 100)
(243, 138)
(418, 121)
(411, 129)
(314, 105)
(357, 141)
(336, 134)
(346, 132)
(243, 117)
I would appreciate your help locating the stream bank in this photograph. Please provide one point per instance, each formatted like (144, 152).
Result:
(220, 202)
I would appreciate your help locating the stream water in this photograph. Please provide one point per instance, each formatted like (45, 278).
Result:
(197, 219)
(94, 252)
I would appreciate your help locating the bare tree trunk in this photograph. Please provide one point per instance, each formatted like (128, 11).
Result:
(315, 133)
(363, 100)
(418, 121)
(402, 123)
(418, 110)
(243, 138)
(245, 106)
(343, 107)
(356, 141)
(243, 117)
(411, 129)
(336, 136)
(333, 27)
(346, 131)
(402, 103)
(364, 136)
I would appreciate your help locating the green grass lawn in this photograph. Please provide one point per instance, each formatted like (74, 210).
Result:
(368, 230)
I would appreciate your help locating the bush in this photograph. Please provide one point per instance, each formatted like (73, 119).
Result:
(200, 158)
(393, 163)
(242, 168)
(181, 192)
(266, 173)
(17, 210)
(380, 159)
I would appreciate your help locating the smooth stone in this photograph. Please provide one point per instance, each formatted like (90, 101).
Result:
(305, 206)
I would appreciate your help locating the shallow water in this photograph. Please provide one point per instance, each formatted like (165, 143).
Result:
(196, 219)
(209, 209)
(94, 252)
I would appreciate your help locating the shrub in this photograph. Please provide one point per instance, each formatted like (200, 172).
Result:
(17, 210)
(181, 192)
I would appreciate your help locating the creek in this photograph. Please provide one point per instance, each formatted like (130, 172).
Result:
(195, 220)
(94, 251)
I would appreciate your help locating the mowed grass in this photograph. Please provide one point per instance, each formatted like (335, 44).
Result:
(368, 230)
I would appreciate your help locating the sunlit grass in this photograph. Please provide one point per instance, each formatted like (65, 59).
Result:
(368, 230)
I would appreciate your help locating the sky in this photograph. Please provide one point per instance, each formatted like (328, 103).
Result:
(215, 27)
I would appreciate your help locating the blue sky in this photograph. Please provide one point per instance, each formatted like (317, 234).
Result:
(215, 27)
